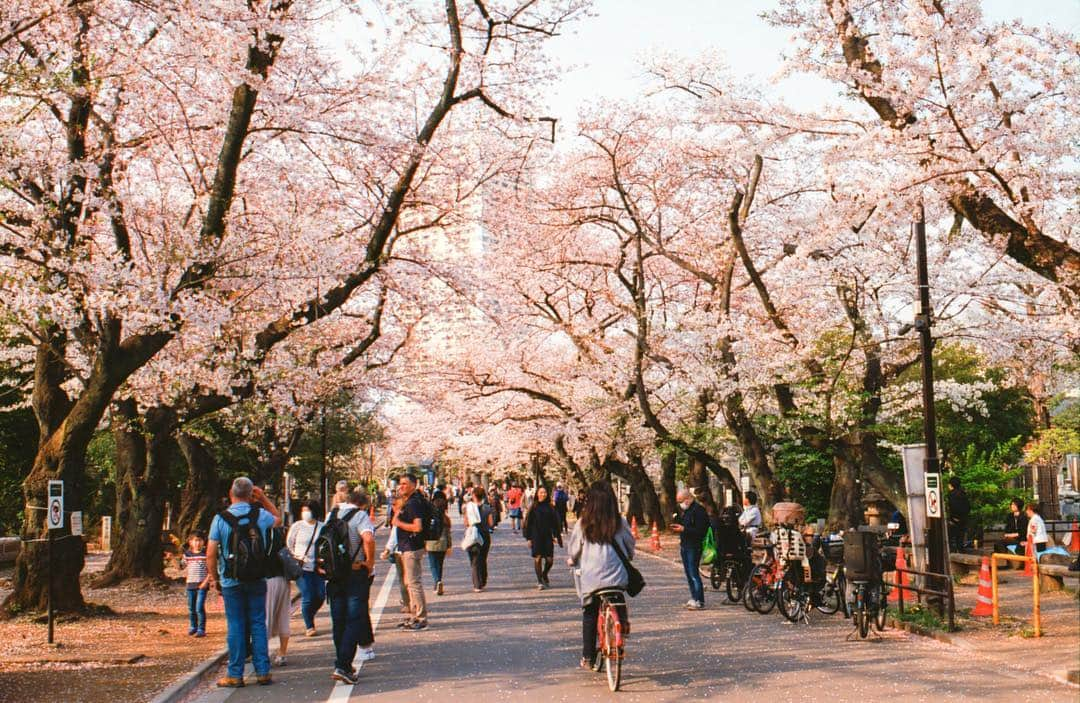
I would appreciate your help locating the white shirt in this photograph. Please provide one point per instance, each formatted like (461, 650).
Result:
(750, 520)
(301, 542)
(1037, 529)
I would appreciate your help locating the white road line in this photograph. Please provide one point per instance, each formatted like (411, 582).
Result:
(341, 693)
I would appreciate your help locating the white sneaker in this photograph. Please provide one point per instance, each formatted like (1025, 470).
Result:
(690, 603)
(365, 654)
(696, 605)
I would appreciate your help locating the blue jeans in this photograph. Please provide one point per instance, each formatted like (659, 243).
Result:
(196, 606)
(351, 618)
(312, 596)
(245, 617)
(691, 561)
(435, 562)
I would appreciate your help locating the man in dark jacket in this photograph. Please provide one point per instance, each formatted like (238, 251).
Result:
(692, 525)
(959, 509)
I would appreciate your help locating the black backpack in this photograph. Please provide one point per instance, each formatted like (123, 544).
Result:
(247, 558)
(333, 560)
(434, 522)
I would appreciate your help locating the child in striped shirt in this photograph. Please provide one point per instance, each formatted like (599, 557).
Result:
(198, 582)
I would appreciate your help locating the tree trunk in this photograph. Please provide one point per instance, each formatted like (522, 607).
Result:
(145, 449)
(845, 501)
(752, 449)
(578, 475)
(699, 481)
(199, 501)
(668, 506)
(641, 487)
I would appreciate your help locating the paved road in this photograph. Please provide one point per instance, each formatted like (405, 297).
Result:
(515, 643)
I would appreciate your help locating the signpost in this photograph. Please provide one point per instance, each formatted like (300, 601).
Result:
(933, 495)
(106, 533)
(54, 521)
(76, 523)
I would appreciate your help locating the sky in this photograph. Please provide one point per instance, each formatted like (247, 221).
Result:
(603, 53)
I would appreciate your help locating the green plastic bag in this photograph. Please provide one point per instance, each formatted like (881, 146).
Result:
(708, 550)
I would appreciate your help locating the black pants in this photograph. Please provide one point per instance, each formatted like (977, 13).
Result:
(562, 517)
(350, 617)
(589, 614)
(542, 566)
(478, 563)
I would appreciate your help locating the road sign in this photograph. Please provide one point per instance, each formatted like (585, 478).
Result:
(76, 523)
(56, 505)
(933, 495)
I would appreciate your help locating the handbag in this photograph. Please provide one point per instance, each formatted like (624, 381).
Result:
(293, 567)
(473, 538)
(708, 549)
(635, 582)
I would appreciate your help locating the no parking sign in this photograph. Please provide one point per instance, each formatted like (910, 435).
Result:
(933, 495)
(55, 519)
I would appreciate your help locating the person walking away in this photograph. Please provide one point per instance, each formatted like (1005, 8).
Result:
(495, 502)
(236, 561)
(1036, 529)
(348, 593)
(478, 514)
(691, 527)
(409, 523)
(597, 563)
(514, 497)
(750, 520)
(437, 549)
(959, 509)
(542, 529)
(301, 543)
(562, 505)
(278, 601)
(198, 581)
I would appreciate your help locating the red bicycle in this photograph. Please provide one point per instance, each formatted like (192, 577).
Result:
(609, 636)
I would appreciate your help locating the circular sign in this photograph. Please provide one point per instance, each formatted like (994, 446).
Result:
(56, 513)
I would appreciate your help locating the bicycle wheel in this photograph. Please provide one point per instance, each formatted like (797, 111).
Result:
(715, 576)
(763, 596)
(830, 599)
(753, 581)
(736, 582)
(612, 657)
(789, 601)
(881, 614)
(863, 621)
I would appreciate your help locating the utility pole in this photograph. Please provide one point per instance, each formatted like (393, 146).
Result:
(937, 541)
(323, 478)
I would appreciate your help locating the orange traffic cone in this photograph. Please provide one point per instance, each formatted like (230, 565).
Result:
(1029, 551)
(633, 527)
(984, 603)
(655, 537)
(1074, 538)
(901, 577)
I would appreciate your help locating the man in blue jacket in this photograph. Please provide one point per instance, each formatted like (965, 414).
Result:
(692, 526)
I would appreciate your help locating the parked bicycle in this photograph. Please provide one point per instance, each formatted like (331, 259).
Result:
(862, 563)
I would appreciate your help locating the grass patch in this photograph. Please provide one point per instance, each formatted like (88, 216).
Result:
(920, 616)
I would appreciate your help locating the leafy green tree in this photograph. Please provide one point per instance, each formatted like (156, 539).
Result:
(986, 477)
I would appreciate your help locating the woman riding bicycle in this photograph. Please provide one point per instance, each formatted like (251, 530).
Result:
(599, 567)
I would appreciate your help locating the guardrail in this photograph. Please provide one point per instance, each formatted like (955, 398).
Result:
(947, 594)
(1036, 618)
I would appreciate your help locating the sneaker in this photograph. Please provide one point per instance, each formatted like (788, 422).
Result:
(696, 605)
(192, 631)
(365, 654)
(310, 632)
(540, 586)
(690, 604)
(280, 660)
(477, 590)
(230, 682)
(345, 677)
(585, 664)
(200, 633)
(439, 588)
(405, 623)
(417, 625)
(264, 680)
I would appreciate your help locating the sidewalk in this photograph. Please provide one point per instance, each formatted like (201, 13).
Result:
(1056, 654)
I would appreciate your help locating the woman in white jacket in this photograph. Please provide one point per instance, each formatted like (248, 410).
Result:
(301, 544)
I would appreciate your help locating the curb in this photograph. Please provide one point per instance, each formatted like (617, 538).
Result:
(1069, 677)
(192, 679)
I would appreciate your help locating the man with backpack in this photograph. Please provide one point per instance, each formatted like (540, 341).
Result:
(410, 522)
(237, 560)
(345, 556)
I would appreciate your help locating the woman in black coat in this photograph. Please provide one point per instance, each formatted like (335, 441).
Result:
(542, 529)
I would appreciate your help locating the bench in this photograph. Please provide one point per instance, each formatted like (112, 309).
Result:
(9, 549)
(1052, 577)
